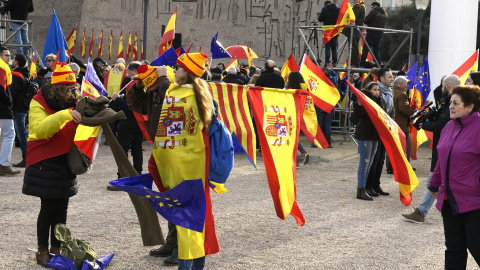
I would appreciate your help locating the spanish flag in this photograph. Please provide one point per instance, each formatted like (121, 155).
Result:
(110, 45)
(169, 35)
(120, 46)
(114, 77)
(288, 67)
(90, 49)
(234, 113)
(71, 39)
(33, 68)
(279, 113)
(249, 55)
(5, 75)
(394, 140)
(129, 47)
(88, 90)
(345, 18)
(82, 45)
(325, 94)
(100, 45)
(135, 48)
(469, 66)
(310, 126)
(234, 63)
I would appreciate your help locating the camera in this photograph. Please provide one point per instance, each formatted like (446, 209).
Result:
(426, 113)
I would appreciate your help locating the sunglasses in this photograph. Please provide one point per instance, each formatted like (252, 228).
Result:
(49, 60)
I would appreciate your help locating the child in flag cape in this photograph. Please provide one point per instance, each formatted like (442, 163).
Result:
(181, 149)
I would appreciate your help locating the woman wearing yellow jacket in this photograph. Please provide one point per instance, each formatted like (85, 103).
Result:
(53, 121)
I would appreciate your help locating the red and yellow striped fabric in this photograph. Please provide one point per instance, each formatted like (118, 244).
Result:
(469, 66)
(169, 35)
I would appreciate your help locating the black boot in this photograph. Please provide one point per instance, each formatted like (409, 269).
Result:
(163, 251)
(362, 195)
(380, 191)
(371, 192)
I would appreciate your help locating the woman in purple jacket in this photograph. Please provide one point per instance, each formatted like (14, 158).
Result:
(456, 179)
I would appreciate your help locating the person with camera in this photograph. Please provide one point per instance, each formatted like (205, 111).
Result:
(435, 125)
(19, 10)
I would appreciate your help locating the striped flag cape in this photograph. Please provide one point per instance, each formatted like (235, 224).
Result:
(345, 17)
(471, 65)
(395, 144)
(234, 113)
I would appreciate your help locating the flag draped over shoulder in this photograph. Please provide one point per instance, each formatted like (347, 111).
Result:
(471, 65)
(100, 45)
(184, 205)
(55, 41)
(82, 45)
(345, 17)
(217, 50)
(110, 41)
(394, 140)
(120, 45)
(114, 77)
(71, 39)
(279, 115)
(423, 81)
(289, 66)
(169, 35)
(234, 113)
(90, 48)
(325, 94)
(92, 77)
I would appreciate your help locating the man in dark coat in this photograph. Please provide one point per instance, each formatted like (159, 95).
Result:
(376, 18)
(359, 11)
(329, 16)
(269, 78)
(19, 10)
(232, 77)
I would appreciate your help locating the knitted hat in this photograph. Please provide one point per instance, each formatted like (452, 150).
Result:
(194, 63)
(147, 74)
(63, 74)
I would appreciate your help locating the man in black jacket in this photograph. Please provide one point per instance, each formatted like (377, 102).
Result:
(376, 18)
(232, 77)
(19, 10)
(269, 78)
(436, 125)
(19, 88)
(329, 16)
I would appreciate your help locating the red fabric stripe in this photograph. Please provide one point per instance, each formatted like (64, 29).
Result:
(3, 79)
(61, 73)
(87, 146)
(18, 74)
(322, 104)
(250, 146)
(139, 117)
(343, 10)
(467, 66)
(233, 110)
(221, 105)
(292, 65)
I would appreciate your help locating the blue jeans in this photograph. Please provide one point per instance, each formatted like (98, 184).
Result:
(331, 46)
(21, 130)
(428, 199)
(21, 37)
(374, 43)
(367, 151)
(8, 137)
(300, 146)
(195, 264)
(325, 123)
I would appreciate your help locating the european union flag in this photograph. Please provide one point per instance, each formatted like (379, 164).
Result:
(168, 58)
(423, 80)
(218, 51)
(55, 41)
(412, 75)
(92, 77)
(183, 205)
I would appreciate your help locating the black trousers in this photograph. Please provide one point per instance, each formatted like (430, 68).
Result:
(462, 232)
(373, 178)
(52, 212)
(132, 140)
(171, 241)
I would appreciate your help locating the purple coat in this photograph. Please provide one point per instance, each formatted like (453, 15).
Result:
(460, 139)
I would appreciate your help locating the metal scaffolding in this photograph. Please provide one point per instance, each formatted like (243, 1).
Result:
(7, 35)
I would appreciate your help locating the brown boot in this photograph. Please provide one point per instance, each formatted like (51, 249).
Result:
(362, 195)
(414, 217)
(43, 257)
(55, 250)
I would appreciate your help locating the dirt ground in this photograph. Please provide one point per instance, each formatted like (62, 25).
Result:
(340, 232)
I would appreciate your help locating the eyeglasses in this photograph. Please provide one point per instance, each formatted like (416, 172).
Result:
(49, 60)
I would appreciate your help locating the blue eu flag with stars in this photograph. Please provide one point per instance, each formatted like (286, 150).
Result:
(423, 80)
(218, 51)
(168, 58)
(411, 75)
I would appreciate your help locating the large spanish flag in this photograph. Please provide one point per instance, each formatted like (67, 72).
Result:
(169, 35)
(288, 67)
(279, 113)
(345, 17)
(394, 140)
(71, 39)
(90, 49)
(120, 45)
(466, 68)
(234, 113)
(129, 46)
(100, 45)
(110, 45)
(325, 94)
(82, 45)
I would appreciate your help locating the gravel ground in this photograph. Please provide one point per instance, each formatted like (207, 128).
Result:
(340, 232)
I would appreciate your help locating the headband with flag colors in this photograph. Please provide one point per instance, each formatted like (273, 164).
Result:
(345, 18)
(217, 50)
(169, 35)
(288, 67)
(90, 48)
(394, 141)
(55, 41)
(82, 45)
(135, 48)
(110, 42)
(120, 45)
(279, 115)
(100, 45)
(71, 39)
(92, 77)
(129, 46)
(325, 95)
(471, 65)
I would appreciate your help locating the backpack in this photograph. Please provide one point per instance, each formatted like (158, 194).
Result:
(30, 90)
(221, 152)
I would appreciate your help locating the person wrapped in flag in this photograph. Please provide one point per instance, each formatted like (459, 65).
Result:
(53, 121)
(179, 117)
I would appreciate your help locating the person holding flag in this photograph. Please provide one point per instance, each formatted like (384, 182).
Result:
(328, 16)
